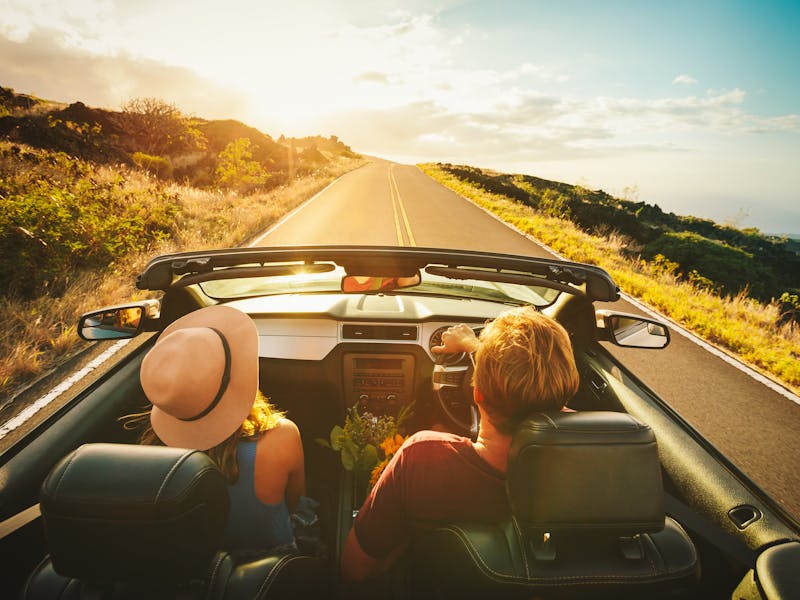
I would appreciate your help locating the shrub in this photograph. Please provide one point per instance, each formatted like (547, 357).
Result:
(59, 215)
(237, 169)
(713, 263)
(157, 127)
(789, 307)
(160, 166)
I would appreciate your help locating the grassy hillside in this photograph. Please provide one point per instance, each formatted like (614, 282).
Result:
(763, 334)
(82, 209)
(720, 258)
(156, 136)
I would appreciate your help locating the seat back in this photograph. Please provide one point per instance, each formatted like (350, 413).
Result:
(127, 522)
(585, 474)
(586, 500)
(122, 512)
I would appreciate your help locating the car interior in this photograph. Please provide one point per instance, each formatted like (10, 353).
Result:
(119, 520)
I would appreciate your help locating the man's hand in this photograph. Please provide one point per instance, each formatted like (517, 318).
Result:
(458, 338)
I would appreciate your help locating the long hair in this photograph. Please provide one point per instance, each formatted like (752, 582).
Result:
(263, 417)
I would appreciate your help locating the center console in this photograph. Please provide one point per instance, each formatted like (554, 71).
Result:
(379, 383)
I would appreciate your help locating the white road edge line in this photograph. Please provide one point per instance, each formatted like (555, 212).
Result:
(62, 387)
(746, 369)
(296, 210)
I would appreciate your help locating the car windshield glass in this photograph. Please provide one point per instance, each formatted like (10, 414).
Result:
(330, 282)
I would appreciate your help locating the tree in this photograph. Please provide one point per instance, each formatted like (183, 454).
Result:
(237, 169)
(156, 127)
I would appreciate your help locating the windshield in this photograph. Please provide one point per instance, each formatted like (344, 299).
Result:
(331, 281)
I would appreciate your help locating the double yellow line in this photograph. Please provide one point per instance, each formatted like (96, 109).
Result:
(400, 216)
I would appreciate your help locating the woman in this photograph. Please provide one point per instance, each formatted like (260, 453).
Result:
(201, 377)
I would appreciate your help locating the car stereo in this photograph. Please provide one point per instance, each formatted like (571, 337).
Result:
(379, 383)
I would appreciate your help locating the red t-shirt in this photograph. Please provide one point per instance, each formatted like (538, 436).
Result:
(434, 477)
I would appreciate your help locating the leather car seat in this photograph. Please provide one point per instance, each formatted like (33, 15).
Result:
(126, 521)
(587, 520)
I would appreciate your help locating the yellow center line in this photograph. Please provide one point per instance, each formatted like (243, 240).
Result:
(403, 216)
(398, 228)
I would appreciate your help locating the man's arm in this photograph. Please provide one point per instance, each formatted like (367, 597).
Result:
(380, 531)
(357, 565)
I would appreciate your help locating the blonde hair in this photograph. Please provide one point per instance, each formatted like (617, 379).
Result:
(524, 363)
(263, 417)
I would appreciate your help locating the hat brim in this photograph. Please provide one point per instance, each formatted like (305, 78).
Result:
(240, 394)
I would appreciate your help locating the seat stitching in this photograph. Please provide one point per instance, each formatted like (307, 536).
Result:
(33, 576)
(683, 531)
(585, 579)
(220, 558)
(522, 545)
(264, 588)
(550, 420)
(647, 554)
(188, 488)
(178, 463)
(66, 468)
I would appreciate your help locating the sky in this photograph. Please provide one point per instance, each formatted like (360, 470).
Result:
(691, 105)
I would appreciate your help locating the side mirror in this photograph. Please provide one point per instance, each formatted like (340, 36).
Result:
(357, 283)
(632, 331)
(118, 322)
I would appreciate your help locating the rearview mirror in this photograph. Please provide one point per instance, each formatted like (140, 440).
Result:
(632, 331)
(358, 283)
(118, 322)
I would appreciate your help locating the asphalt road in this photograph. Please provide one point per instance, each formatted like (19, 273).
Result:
(391, 204)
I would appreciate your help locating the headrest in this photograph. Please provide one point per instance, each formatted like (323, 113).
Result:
(117, 512)
(585, 472)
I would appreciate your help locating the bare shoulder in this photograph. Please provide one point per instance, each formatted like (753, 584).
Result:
(285, 435)
(287, 428)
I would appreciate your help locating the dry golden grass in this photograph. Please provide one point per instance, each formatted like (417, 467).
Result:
(39, 334)
(739, 325)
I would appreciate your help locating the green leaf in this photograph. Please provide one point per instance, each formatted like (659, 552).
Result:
(350, 446)
(323, 443)
(348, 457)
(368, 458)
(337, 435)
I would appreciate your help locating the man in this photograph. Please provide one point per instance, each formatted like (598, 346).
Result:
(523, 364)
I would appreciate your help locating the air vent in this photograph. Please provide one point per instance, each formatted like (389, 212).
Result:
(379, 332)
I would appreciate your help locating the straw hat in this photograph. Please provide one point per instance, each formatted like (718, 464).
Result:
(202, 377)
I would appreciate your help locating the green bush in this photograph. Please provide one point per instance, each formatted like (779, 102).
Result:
(789, 307)
(237, 169)
(160, 166)
(713, 264)
(59, 214)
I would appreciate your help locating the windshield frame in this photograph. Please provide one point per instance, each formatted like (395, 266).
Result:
(329, 282)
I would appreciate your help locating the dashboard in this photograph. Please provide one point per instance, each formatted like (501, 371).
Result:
(311, 326)
(314, 339)
(370, 349)
(377, 347)
(379, 361)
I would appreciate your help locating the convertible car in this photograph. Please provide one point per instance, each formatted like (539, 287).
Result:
(619, 498)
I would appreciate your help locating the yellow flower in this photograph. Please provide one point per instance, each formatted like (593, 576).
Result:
(392, 444)
(389, 446)
(376, 472)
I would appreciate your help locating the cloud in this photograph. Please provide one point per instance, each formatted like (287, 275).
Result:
(684, 80)
(522, 125)
(41, 65)
(372, 77)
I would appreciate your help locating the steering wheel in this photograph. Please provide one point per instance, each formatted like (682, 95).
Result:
(452, 385)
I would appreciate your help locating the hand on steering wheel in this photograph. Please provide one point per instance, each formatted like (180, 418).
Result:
(452, 379)
(458, 338)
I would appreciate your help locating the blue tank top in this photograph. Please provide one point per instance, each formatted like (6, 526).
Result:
(253, 525)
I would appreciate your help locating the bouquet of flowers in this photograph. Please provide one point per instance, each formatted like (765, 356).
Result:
(367, 442)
